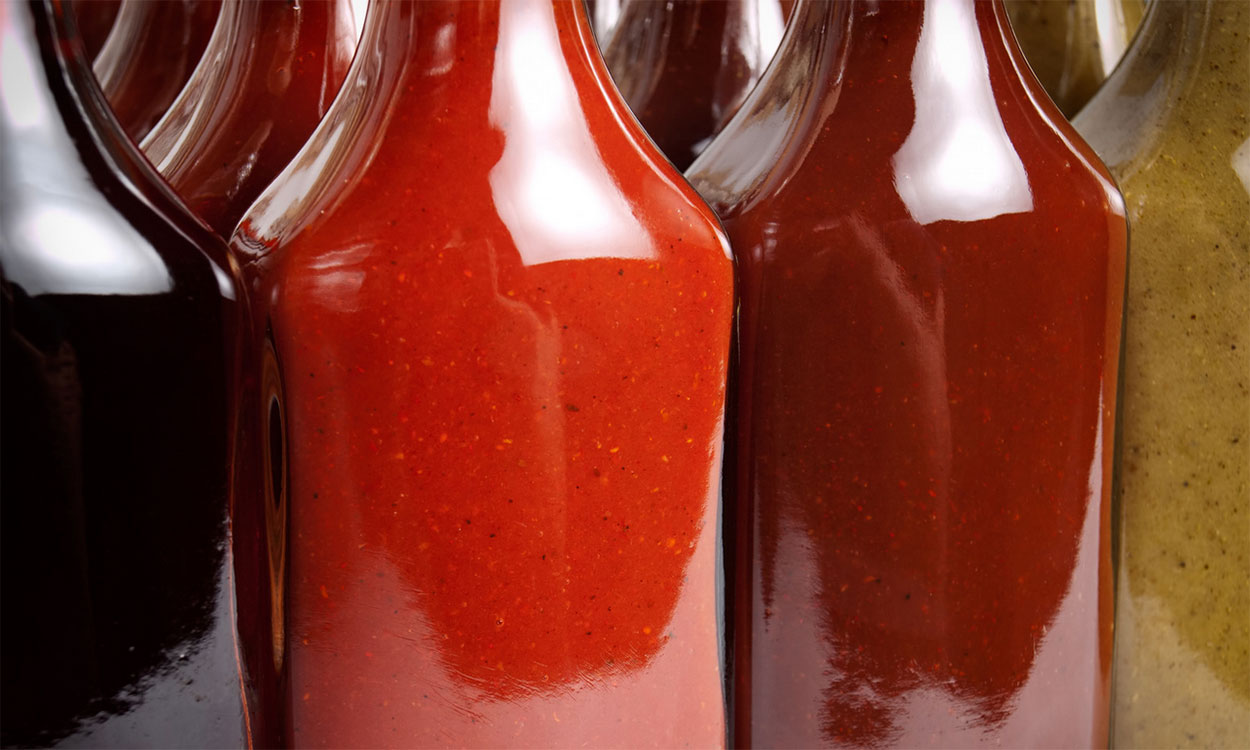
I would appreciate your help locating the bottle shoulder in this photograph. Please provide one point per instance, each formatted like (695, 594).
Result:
(1178, 103)
(85, 214)
(937, 140)
(529, 148)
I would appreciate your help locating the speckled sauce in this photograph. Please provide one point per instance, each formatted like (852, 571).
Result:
(503, 325)
(929, 337)
(1173, 126)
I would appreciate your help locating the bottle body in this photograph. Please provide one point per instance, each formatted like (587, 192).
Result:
(1182, 674)
(504, 457)
(931, 272)
(119, 325)
(269, 74)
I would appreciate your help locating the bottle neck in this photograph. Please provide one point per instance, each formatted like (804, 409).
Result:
(887, 36)
(941, 82)
(73, 97)
(432, 37)
(499, 75)
(1186, 71)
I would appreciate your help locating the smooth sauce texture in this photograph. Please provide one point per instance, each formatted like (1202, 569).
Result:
(268, 76)
(503, 327)
(931, 269)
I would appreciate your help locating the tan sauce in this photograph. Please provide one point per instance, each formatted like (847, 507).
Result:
(1172, 125)
(1073, 44)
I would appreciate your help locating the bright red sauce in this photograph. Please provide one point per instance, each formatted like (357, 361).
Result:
(505, 430)
(924, 404)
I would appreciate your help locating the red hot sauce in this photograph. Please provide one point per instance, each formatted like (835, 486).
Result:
(503, 323)
(932, 271)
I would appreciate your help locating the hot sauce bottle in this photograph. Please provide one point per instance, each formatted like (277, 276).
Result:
(269, 74)
(686, 66)
(931, 268)
(149, 55)
(1173, 124)
(119, 322)
(501, 322)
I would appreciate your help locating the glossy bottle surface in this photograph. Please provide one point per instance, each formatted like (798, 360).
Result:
(603, 17)
(1173, 125)
(266, 79)
(685, 66)
(931, 270)
(118, 333)
(502, 322)
(1072, 45)
(94, 19)
(149, 55)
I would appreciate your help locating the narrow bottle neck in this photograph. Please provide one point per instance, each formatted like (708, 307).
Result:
(73, 92)
(433, 36)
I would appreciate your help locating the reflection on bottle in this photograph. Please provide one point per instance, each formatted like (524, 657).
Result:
(118, 324)
(957, 162)
(930, 270)
(148, 56)
(543, 185)
(503, 452)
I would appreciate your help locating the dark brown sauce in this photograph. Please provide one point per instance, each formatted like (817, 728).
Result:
(118, 329)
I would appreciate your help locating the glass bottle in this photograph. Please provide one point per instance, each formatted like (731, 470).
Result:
(502, 323)
(118, 323)
(266, 78)
(603, 17)
(1072, 46)
(1173, 125)
(931, 268)
(94, 20)
(684, 66)
(149, 55)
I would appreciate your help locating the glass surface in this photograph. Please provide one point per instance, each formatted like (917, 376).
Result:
(94, 19)
(1072, 46)
(502, 323)
(604, 15)
(684, 67)
(149, 55)
(266, 79)
(931, 268)
(118, 323)
(1173, 124)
